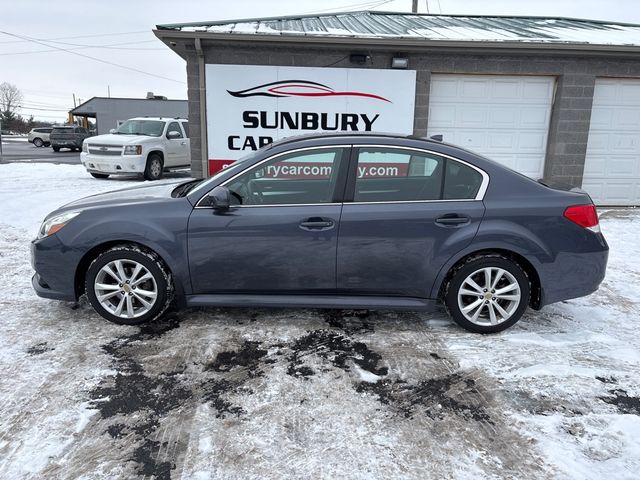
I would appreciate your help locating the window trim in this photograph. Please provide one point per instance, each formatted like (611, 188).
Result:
(351, 181)
(341, 172)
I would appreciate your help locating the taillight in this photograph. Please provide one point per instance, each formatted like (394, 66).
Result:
(584, 215)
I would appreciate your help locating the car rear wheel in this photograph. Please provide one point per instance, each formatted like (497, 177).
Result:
(153, 171)
(99, 175)
(56, 149)
(38, 142)
(128, 285)
(488, 294)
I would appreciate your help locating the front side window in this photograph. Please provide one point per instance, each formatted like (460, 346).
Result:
(174, 127)
(307, 177)
(392, 175)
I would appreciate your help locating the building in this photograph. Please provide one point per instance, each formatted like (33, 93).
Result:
(551, 97)
(110, 112)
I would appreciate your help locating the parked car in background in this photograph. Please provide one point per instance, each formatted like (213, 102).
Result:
(40, 136)
(339, 221)
(70, 137)
(142, 145)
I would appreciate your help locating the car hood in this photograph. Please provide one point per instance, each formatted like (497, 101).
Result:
(127, 196)
(111, 139)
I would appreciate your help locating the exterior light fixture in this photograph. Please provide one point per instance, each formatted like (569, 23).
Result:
(399, 62)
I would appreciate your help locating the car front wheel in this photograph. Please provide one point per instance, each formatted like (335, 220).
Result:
(488, 294)
(128, 285)
(153, 170)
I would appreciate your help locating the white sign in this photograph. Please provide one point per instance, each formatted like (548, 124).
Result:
(249, 106)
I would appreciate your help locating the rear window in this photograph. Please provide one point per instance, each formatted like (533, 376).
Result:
(63, 130)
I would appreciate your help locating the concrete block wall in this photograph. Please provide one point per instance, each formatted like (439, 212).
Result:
(571, 112)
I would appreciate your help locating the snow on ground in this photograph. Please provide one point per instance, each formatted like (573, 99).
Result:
(245, 393)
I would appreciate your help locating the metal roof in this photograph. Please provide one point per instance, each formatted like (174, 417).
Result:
(457, 28)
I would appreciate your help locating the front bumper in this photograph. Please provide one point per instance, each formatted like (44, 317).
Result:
(113, 164)
(55, 267)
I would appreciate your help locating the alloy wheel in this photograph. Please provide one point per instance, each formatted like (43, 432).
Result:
(489, 296)
(126, 288)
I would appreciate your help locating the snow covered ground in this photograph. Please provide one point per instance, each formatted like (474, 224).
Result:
(239, 393)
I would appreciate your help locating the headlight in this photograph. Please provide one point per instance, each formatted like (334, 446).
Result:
(133, 149)
(85, 147)
(51, 226)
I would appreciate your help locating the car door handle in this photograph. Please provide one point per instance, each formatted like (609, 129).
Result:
(183, 143)
(316, 223)
(452, 220)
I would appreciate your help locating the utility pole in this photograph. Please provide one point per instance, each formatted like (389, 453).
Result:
(109, 91)
(414, 6)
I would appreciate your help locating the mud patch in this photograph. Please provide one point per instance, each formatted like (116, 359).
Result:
(39, 349)
(438, 397)
(624, 402)
(335, 348)
(141, 399)
(349, 321)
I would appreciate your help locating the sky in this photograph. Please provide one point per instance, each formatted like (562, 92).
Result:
(35, 33)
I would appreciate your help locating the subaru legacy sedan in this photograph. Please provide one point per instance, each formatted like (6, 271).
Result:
(364, 221)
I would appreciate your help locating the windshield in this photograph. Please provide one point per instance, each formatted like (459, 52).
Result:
(152, 128)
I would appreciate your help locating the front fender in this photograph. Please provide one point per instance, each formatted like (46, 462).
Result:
(167, 238)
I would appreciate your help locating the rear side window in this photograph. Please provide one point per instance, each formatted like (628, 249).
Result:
(185, 125)
(392, 175)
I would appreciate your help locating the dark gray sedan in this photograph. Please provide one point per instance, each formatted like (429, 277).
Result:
(343, 221)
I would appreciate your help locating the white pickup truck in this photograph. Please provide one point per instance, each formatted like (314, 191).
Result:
(146, 145)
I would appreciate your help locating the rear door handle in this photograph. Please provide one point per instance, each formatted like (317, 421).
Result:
(316, 223)
(452, 220)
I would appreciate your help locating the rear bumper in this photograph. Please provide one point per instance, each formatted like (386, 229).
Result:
(65, 144)
(113, 164)
(573, 275)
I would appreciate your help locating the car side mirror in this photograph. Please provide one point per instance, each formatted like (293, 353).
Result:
(112, 131)
(220, 198)
(173, 134)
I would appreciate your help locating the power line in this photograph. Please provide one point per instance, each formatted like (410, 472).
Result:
(112, 46)
(90, 57)
(80, 36)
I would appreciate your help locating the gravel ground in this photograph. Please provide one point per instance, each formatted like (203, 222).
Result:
(243, 393)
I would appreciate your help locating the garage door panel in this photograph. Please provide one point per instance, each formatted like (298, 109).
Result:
(534, 117)
(503, 117)
(471, 117)
(443, 115)
(612, 164)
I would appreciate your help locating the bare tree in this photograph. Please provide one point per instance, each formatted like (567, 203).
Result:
(10, 99)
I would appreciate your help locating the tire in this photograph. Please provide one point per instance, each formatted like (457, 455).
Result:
(116, 285)
(153, 170)
(38, 142)
(99, 175)
(56, 149)
(477, 307)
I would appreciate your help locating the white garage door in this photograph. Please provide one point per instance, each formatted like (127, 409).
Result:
(612, 166)
(505, 118)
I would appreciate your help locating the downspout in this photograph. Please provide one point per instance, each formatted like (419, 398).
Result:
(203, 109)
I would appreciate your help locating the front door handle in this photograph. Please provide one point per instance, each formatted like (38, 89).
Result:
(317, 223)
(452, 220)
(183, 143)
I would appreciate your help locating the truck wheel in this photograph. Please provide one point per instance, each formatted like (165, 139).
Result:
(99, 175)
(56, 149)
(153, 170)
